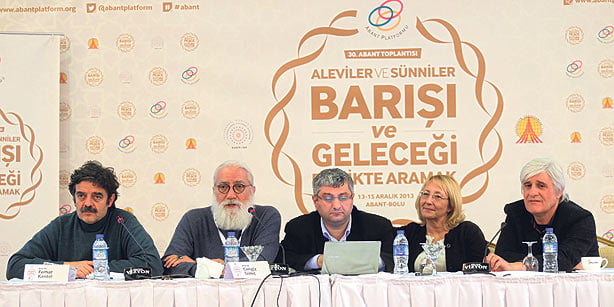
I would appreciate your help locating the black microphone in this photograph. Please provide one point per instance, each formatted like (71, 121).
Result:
(135, 273)
(486, 250)
(276, 268)
(482, 267)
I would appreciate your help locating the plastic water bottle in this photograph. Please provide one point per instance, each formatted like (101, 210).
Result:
(100, 258)
(400, 252)
(551, 251)
(231, 248)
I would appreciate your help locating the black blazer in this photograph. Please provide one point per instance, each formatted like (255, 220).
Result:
(573, 226)
(463, 243)
(304, 239)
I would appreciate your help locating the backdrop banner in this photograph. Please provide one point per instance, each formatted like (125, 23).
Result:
(29, 133)
(391, 91)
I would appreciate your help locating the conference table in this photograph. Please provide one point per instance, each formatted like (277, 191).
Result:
(383, 289)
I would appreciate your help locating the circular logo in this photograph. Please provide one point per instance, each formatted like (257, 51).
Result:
(64, 177)
(158, 143)
(606, 136)
(126, 110)
(529, 129)
(607, 204)
(65, 111)
(606, 35)
(159, 211)
(575, 103)
(93, 77)
(574, 69)
(190, 75)
(189, 42)
(5, 248)
(576, 170)
(609, 235)
(576, 137)
(125, 42)
(127, 178)
(65, 209)
(64, 44)
(574, 35)
(158, 109)
(126, 144)
(157, 76)
(190, 109)
(191, 177)
(382, 16)
(606, 68)
(94, 145)
(238, 134)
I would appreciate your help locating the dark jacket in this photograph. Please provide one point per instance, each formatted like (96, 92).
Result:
(573, 226)
(304, 239)
(463, 243)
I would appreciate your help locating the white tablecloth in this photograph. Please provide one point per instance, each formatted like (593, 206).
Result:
(295, 291)
(450, 290)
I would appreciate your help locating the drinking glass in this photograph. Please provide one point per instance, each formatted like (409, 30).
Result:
(530, 262)
(431, 252)
(252, 252)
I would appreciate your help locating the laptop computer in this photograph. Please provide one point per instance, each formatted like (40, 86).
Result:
(351, 257)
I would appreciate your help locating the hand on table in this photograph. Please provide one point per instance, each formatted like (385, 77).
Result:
(84, 267)
(173, 260)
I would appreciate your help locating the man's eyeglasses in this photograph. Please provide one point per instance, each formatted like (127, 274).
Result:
(238, 188)
(436, 197)
(329, 198)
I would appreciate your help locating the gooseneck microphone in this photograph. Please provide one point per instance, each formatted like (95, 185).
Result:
(486, 250)
(135, 273)
(276, 268)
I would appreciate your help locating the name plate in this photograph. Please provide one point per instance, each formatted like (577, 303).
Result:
(476, 267)
(241, 270)
(49, 272)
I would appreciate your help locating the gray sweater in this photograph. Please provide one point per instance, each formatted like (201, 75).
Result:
(197, 236)
(67, 238)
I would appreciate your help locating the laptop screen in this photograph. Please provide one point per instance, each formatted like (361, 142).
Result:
(351, 257)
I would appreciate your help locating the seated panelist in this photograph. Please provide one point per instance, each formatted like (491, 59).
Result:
(545, 204)
(439, 207)
(202, 231)
(68, 238)
(335, 219)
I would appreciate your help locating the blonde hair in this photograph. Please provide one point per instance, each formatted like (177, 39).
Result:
(455, 200)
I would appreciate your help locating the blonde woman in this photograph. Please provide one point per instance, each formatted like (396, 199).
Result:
(439, 207)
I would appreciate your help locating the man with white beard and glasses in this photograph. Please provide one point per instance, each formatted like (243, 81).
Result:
(202, 231)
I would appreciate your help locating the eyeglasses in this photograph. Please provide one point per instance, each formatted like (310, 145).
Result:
(436, 197)
(329, 198)
(224, 188)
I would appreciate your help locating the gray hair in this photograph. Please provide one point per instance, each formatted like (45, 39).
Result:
(237, 164)
(550, 167)
(332, 177)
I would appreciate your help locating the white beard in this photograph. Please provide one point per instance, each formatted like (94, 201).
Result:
(231, 218)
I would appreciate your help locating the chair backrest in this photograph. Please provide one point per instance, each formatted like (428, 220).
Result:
(607, 252)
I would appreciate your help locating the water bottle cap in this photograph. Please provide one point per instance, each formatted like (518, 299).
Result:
(231, 233)
(100, 236)
(400, 232)
(549, 229)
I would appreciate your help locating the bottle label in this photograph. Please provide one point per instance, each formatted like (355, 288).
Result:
(231, 251)
(401, 250)
(550, 247)
(99, 254)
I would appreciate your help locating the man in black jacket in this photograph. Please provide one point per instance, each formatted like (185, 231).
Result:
(335, 219)
(544, 205)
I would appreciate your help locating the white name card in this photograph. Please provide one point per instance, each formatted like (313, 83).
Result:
(49, 272)
(240, 270)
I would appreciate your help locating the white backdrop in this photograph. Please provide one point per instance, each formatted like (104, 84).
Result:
(29, 156)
